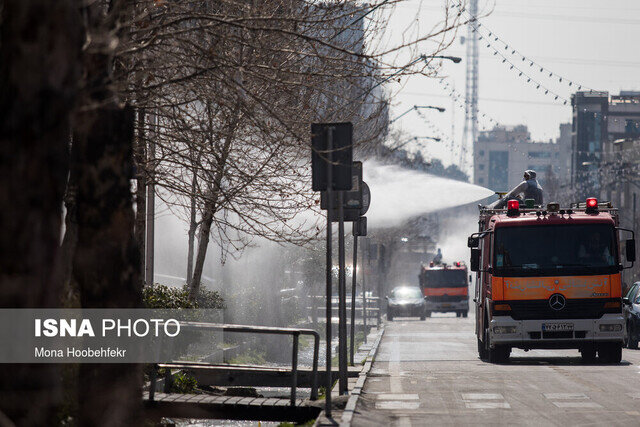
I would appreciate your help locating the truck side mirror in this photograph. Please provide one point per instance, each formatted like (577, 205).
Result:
(626, 301)
(473, 242)
(475, 259)
(631, 250)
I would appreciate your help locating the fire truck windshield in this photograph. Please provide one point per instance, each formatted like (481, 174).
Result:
(555, 250)
(444, 279)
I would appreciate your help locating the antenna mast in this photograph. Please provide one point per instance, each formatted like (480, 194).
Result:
(471, 90)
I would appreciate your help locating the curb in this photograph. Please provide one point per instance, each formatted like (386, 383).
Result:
(354, 394)
(350, 408)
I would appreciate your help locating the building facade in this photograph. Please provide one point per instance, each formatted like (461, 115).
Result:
(501, 155)
(588, 133)
(600, 124)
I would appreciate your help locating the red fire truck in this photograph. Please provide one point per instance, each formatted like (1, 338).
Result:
(549, 278)
(445, 288)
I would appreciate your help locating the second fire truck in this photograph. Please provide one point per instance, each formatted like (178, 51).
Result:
(445, 288)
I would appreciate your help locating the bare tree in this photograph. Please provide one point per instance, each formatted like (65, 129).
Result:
(264, 71)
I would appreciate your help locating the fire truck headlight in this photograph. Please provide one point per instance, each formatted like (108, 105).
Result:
(610, 328)
(504, 329)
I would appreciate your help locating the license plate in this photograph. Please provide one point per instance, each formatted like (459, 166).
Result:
(552, 327)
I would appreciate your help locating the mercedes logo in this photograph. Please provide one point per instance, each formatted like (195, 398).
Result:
(557, 302)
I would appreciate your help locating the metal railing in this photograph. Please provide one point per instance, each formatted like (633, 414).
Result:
(371, 310)
(260, 330)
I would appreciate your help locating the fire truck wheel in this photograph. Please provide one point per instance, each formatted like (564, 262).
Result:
(588, 354)
(465, 313)
(499, 354)
(482, 353)
(428, 314)
(610, 353)
(423, 317)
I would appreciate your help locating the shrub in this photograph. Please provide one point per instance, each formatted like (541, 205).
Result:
(161, 296)
(183, 383)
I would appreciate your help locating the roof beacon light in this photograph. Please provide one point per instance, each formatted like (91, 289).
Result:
(592, 205)
(513, 207)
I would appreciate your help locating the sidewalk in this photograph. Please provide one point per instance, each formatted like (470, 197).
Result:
(344, 406)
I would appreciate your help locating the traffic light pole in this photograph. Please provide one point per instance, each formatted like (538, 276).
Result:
(353, 294)
(365, 256)
(342, 302)
(329, 272)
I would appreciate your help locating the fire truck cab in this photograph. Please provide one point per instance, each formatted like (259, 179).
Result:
(550, 278)
(445, 288)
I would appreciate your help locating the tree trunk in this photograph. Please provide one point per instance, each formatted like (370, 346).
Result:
(39, 70)
(203, 242)
(141, 188)
(106, 263)
(70, 291)
(193, 225)
(210, 210)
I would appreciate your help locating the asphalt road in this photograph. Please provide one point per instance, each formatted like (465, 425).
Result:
(428, 373)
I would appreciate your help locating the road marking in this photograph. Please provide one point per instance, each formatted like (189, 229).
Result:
(389, 396)
(397, 405)
(487, 405)
(565, 396)
(484, 401)
(632, 413)
(482, 396)
(577, 404)
(395, 382)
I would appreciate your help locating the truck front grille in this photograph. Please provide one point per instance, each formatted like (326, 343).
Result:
(589, 308)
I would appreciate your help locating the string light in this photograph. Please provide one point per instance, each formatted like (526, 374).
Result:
(476, 27)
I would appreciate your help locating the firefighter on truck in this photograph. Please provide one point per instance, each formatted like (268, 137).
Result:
(550, 278)
(445, 288)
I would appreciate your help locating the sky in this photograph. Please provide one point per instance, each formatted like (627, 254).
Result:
(590, 42)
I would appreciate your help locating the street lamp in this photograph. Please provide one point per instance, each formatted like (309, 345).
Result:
(416, 107)
(455, 59)
(415, 138)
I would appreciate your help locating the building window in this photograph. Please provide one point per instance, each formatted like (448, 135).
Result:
(631, 127)
(481, 153)
(539, 154)
(498, 170)
(480, 180)
(481, 166)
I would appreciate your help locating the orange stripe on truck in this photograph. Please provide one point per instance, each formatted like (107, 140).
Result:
(437, 292)
(526, 288)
